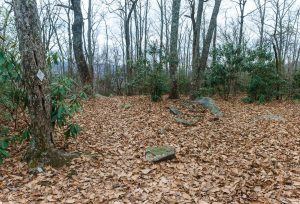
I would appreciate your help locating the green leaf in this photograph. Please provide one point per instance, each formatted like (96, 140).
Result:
(4, 153)
(4, 144)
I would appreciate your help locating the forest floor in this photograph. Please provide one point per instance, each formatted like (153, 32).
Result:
(240, 158)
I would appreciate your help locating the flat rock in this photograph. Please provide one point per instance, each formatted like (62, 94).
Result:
(100, 96)
(126, 106)
(271, 117)
(175, 110)
(159, 153)
(209, 103)
(185, 122)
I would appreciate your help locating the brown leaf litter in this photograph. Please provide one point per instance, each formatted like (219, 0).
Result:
(236, 159)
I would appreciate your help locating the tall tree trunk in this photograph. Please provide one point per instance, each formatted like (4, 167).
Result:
(262, 15)
(214, 59)
(174, 94)
(70, 48)
(34, 64)
(146, 29)
(89, 39)
(161, 41)
(77, 28)
(196, 25)
(167, 30)
(128, 44)
(207, 42)
(242, 4)
(137, 34)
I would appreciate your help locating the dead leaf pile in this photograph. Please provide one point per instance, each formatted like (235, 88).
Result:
(236, 159)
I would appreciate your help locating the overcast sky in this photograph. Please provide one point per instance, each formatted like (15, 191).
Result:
(228, 8)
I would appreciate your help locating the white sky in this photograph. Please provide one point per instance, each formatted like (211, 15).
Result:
(227, 6)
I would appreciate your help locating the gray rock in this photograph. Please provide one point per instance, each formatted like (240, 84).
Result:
(209, 103)
(159, 153)
(185, 122)
(36, 170)
(174, 110)
(100, 96)
(126, 106)
(162, 131)
(271, 117)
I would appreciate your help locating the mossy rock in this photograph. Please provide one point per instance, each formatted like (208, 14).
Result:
(159, 153)
(126, 106)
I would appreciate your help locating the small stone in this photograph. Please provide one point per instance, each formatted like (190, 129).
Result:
(36, 170)
(185, 122)
(126, 106)
(159, 153)
(40, 170)
(175, 110)
(162, 131)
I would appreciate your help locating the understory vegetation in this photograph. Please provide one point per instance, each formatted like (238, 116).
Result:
(66, 100)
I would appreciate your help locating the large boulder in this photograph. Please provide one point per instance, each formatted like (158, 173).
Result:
(159, 153)
(209, 103)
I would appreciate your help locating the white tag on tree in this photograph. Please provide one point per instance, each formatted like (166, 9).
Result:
(40, 75)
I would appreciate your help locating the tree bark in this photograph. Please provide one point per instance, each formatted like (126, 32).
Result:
(33, 58)
(242, 4)
(128, 44)
(89, 39)
(196, 25)
(207, 42)
(77, 30)
(161, 39)
(174, 94)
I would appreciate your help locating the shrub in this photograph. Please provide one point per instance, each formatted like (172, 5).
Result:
(265, 82)
(65, 103)
(247, 99)
(13, 98)
(3, 152)
(13, 101)
(223, 73)
(158, 84)
(296, 86)
(184, 82)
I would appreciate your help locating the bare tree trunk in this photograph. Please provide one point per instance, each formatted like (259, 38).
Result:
(196, 25)
(174, 94)
(167, 35)
(89, 39)
(262, 15)
(207, 42)
(137, 34)
(33, 58)
(146, 29)
(161, 40)
(70, 48)
(128, 44)
(77, 28)
(242, 4)
(214, 60)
